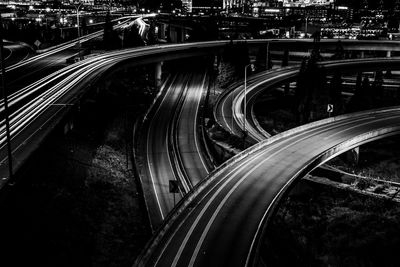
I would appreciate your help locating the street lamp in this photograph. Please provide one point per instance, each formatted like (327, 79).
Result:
(306, 28)
(6, 111)
(77, 6)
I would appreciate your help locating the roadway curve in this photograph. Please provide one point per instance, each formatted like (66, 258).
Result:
(173, 149)
(15, 53)
(221, 222)
(230, 104)
(37, 106)
(49, 60)
(27, 71)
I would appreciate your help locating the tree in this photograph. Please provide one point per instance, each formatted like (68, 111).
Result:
(335, 92)
(285, 59)
(108, 32)
(84, 26)
(300, 92)
(339, 51)
(377, 86)
(285, 63)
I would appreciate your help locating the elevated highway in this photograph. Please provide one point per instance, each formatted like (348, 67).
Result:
(24, 72)
(50, 60)
(229, 111)
(220, 223)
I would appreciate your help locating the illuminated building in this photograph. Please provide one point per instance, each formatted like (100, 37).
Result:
(187, 5)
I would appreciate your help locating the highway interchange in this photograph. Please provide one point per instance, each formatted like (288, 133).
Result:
(229, 108)
(220, 219)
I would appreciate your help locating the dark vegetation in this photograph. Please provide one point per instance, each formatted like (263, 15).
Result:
(77, 202)
(313, 91)
(379, 159)
(320, 225)
(330, 227)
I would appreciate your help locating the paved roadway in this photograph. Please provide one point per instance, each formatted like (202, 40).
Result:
(15, 53)
(230, 105)
(27, 71)
(172, 147)
(221, 224)
(36, 108)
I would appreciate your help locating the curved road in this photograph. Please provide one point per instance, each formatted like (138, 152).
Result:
(28, 70)
(15, 53)
(173, 127)
(230, 104)
(221, 223)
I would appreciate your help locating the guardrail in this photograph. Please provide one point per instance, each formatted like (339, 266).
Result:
(178, 166)
(138, 131)
(197, 189)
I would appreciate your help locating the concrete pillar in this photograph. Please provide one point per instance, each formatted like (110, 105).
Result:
(161, 31)
(183, 35)
(353, 156)
(362, 54)
(179, 33)
(158, 73)
(216, 62)
(173, 34)
(388, 53)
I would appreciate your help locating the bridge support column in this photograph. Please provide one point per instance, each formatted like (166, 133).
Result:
(216, 62)
(353, 156)
(161, 31)
(158, 73)
(182, 35)
(388, 53)
(362, 54)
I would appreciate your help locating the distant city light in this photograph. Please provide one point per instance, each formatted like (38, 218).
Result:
(343, 8)
(31, 8)
(90, 21)
(47, 9)
(272, 10)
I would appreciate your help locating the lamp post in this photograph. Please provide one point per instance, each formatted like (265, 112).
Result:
(77, 6)
(6, 111)
(267, 64)
(245, 99)
(306, 28)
